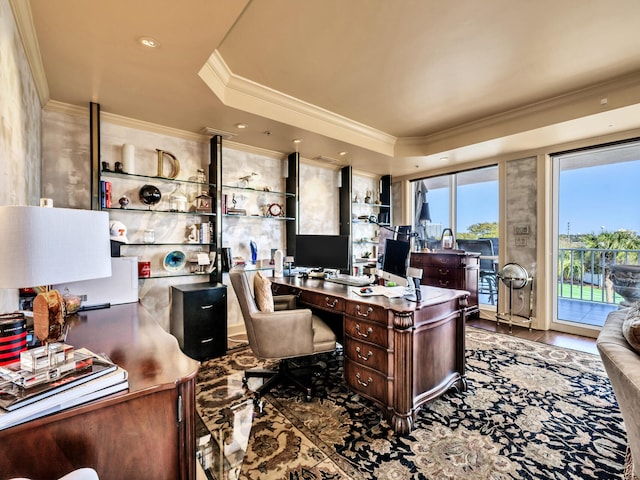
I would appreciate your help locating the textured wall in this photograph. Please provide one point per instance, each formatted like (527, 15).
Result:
(521, 211)
(20, 129)
(319, 207)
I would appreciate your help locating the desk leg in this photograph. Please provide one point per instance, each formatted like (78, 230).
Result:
(402, 408)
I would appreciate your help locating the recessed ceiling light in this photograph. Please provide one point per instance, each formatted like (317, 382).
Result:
(296, 140)
(149, 42)
(342, 154)
(241, 125)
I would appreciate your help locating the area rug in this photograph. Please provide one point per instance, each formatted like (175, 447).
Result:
(532, 411)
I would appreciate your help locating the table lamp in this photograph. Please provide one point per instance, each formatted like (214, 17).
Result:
(42, 246)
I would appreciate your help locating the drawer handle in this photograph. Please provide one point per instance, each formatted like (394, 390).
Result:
(369, 310)
(443, 271)
(364, 384)
(205, 307)
(444, 283)
(365, 335)
(207, 340)
(364, 359)
(332, 304)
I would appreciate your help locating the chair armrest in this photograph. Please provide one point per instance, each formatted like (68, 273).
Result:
(284, 302)
(283, 334)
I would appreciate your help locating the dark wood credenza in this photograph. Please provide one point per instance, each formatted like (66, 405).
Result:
(453, 269)
(397, 353)
(145, 433)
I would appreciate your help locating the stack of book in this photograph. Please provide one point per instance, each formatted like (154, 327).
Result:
(53, 378)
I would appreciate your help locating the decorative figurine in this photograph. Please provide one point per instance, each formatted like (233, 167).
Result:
(123, 201)
(244, 181)
(254, 252)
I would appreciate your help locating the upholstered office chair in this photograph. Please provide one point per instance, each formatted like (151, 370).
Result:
(278, 334)
(484, 246)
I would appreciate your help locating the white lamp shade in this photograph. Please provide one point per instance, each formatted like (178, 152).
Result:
(44, 246)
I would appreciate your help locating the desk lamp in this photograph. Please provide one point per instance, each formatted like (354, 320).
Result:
(42, 246)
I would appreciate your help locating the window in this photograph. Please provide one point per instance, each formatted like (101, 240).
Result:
(465, 201)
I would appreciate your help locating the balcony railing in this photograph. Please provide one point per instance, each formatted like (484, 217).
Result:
(584, 273)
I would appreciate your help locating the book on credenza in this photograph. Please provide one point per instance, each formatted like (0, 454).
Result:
(21, 386)
(108, 384)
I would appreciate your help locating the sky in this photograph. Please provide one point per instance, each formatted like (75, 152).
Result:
(601, 197)
(590, 198)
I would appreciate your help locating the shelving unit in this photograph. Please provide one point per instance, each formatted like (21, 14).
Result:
(270, 210)
(172, 224)
(355, 214)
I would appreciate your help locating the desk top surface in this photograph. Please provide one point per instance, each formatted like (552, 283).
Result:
(132, 338)
(430, 295)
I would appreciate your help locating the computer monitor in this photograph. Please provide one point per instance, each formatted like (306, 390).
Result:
(322, 251)
(395, 261)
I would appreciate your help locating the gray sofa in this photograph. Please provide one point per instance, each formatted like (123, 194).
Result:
(622, 364)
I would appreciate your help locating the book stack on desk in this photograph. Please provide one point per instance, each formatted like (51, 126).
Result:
(53, 378)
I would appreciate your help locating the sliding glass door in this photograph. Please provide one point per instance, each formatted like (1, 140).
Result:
(597, 217)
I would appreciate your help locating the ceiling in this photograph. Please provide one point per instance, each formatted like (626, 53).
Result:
(401, 86)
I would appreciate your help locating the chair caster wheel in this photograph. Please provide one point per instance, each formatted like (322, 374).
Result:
(245, 381)
(307, 398)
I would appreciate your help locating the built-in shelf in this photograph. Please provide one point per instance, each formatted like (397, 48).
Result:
(257, 217)
(146, 210)
(109, 173)
(258, 190)
(160, 244)
(174, 275)
(365, 204)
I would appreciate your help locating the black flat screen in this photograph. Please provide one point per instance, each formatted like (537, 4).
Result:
(322, 251)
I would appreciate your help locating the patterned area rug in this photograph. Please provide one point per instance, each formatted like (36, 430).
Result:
(532, 411)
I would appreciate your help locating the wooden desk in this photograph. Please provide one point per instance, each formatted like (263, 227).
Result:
(398, 354)
(145, 433)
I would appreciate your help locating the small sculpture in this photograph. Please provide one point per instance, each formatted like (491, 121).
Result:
(244, 181)
(254, 252)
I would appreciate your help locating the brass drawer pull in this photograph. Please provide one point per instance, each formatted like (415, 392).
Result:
(364, 359)
(365, 335)
(443, 272)
(364, 384)
(443, 283)
(369, 310)
(332, 304)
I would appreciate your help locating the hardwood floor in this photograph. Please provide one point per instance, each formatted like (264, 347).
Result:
(566, 340)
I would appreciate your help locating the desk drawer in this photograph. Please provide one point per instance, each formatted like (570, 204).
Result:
(322, 300)
(441, 281)
(421, 260)
(366, 331)
(366, 310)
(366, 354)
(366, 381)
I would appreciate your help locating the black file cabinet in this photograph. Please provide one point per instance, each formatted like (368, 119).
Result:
(199, 319)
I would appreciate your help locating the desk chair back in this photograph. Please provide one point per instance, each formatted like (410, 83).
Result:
(281, 334)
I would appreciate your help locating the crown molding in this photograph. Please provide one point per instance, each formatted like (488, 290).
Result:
(24, 22)
(619, 92)
(244, 94)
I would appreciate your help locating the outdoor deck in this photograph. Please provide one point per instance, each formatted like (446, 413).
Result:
(579, 311)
